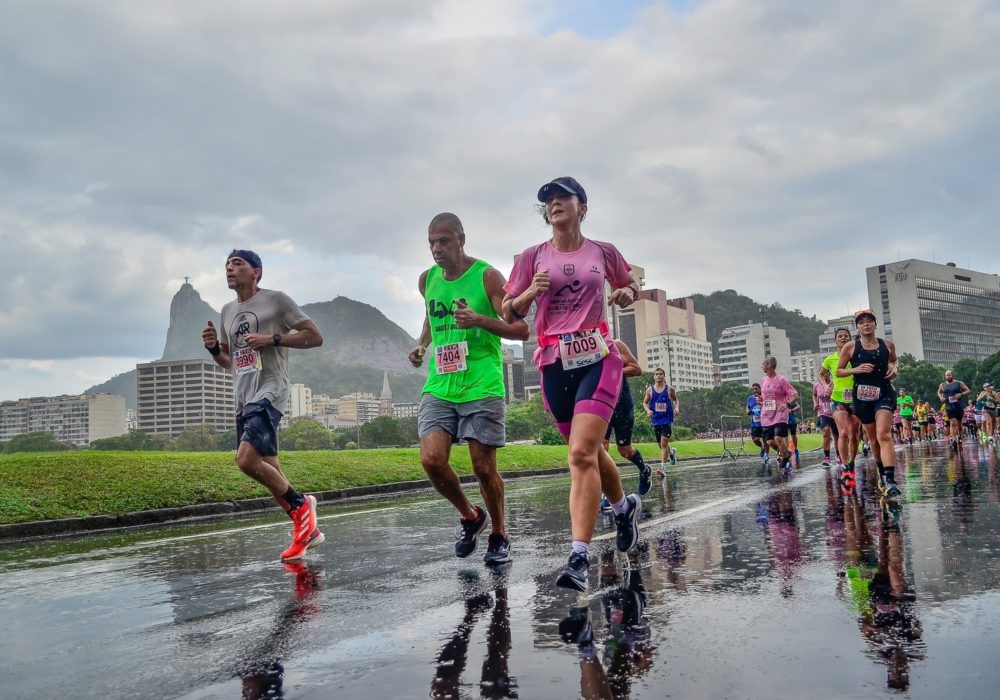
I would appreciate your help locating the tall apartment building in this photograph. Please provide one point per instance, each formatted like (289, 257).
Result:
(938, 313)
(405, 409)
(668, 333)
(300, 401)
(174, 395)
(359, 407)
(742, 349)
(827, 344)
(805, 366)
(77, 420)
(513, 375)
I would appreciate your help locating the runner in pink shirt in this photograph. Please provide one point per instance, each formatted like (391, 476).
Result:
(580, 365)
(776, 392)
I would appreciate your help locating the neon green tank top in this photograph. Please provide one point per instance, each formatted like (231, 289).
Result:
(839, 383)
(471, 363)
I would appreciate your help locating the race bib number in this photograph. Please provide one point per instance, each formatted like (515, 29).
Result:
(953, 399)
(848, 394)
(451, 358)
(770, 405)
(868, 393)
(660, 407)
(582, 348)
(824, 406)
(247, 361)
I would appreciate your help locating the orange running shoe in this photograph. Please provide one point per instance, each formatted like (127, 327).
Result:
(305, 534)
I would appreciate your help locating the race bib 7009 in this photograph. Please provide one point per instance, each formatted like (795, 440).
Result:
(582, 348)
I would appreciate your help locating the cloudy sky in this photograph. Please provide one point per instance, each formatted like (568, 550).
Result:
(775, 147)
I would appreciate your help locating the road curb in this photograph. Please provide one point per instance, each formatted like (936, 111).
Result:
(207, 511)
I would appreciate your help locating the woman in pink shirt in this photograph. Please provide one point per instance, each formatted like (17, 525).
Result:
(580, 365)
(776, 392)
(822, 391)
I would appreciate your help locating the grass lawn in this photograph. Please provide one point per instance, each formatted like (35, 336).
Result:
(51, 485)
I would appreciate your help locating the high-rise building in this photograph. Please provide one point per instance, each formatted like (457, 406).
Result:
(938, 313)
(513, 375)
(827, 343)
(359, 407)
(805, 365)
(173, 395)
(668, 333)
(78, 420)
(300, 401)
(742, 349)
(405, 409)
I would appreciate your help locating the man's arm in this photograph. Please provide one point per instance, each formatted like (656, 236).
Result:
(941, 391)
(965, 390)
(646, 398)
(677, 402)
(465, 317)
(210, 337)
(630, 365)
(416, 356)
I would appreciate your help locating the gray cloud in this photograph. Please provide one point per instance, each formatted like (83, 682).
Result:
(775, 147)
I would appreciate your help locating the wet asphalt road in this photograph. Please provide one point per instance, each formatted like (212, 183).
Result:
(745, 586)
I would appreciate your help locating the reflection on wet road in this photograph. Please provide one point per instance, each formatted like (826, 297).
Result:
(744, 585)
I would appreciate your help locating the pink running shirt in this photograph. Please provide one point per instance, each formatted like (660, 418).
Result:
(775, 392)
(575, 299)
(821, 399)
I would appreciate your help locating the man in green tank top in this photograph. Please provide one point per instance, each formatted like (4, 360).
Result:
(463, 398)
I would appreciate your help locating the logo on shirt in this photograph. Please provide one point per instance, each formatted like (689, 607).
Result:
(596, 270)
(569, 269)
(438, 309)
(573, 288)
(243, 325)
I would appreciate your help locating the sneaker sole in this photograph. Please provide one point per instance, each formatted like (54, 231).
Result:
(570, 583)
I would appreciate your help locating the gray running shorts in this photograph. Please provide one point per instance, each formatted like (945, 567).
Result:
(481, 420)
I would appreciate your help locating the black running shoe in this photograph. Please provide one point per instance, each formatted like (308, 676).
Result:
(576, 628)
(468, 538)
(645, 480)
(574, 576)
(498, 549)
(628, 525)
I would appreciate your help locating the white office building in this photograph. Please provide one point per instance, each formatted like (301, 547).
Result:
(742, 349)
(805, 366)
(827, 339)
(938, 313)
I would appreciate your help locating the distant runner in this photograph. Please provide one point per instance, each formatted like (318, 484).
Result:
(905, 403)
(822, 390)
(777, 393)
(842, 402)
(661, 406)
(754, 406)
(953, 393)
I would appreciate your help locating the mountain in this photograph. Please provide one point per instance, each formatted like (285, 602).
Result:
(730, 308)
(359, 343)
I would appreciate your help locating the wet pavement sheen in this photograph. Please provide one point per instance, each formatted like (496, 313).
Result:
(745, 585)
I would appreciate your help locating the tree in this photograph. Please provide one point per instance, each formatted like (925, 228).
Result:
(197, 438)
(919, 377)
(384, 431)
(305, 434)
(966, 370)
(989, 371)
(35, 442)
(133, 440)
(526, 420)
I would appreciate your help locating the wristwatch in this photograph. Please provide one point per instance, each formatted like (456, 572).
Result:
(277, 339)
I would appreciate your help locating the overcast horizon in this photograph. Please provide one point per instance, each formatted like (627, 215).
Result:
(776, 148)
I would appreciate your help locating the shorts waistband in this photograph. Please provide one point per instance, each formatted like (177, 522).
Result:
(545, 341)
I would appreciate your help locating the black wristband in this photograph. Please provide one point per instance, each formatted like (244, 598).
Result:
(215, 350)
(513, 311)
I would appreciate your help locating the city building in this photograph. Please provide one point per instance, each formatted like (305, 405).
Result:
(513, 375)
(742, 349)
(938, 313)
(805, 365)
(323, 405)
(827, 343)
(77, 420)
(300, 402)
(173, 395)
(359, 407)
(668, 333)
(405, 409)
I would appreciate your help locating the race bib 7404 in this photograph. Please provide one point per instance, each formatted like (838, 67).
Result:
(451, 358)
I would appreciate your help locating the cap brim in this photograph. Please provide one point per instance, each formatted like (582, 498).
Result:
(546, 191)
